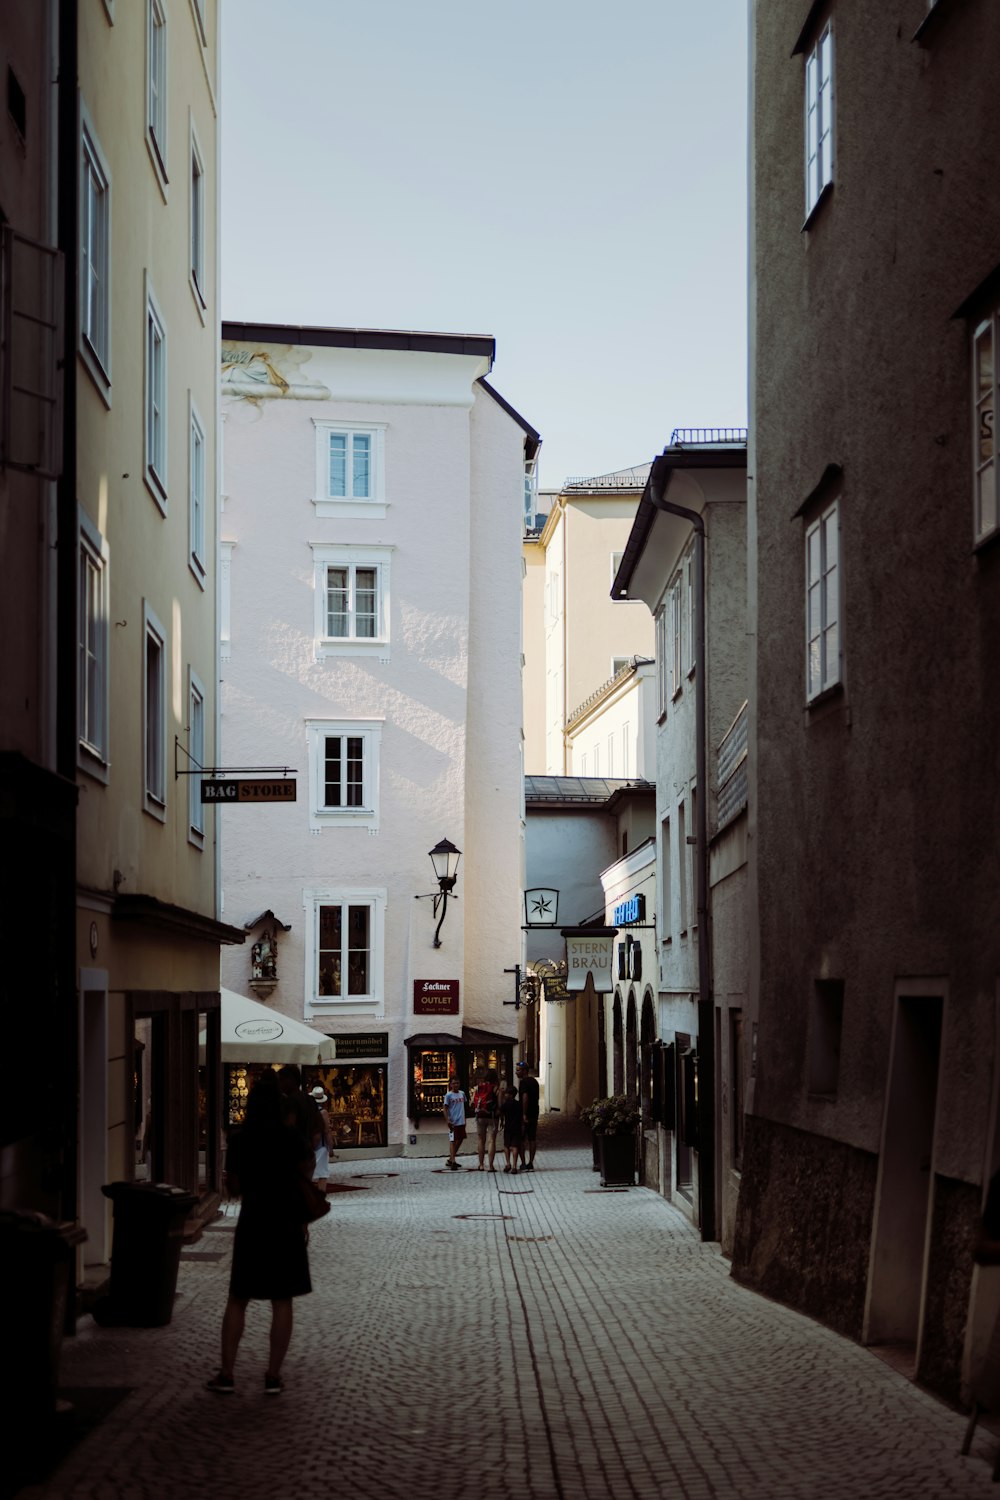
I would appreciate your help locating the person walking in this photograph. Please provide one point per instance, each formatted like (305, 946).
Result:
(510, 1118)
(265, 1164)
(529, 1114)
(321, 1172)
(454, 1114)
(485, 1107)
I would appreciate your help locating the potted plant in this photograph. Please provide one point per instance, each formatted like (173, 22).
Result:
(614, 1122)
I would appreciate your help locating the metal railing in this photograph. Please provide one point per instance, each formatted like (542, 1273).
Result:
(686, 437)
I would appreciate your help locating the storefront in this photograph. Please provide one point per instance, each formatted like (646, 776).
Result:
(433, 1057)
(356, 1086)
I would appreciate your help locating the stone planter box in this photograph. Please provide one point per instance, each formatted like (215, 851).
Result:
(617, 1158)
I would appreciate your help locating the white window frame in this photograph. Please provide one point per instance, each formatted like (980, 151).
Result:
(674, 631)
(327, 555)
(95, 259)
(197, 202)
(664, 882)
(197, 739)
(986, 490)
(369, 731)
(154, 718)
(157, 124)
(689, 588)
(350, 506)
(372, 1003)
(198, 12)
(155, 400)
(226, 600)
(197, 477)
(93, 720)
(819, 119)
(823, 585)
(662, 696)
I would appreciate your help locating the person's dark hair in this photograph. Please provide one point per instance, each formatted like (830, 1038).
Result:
(264, 1106)
(492, 1076)
(290, 1077)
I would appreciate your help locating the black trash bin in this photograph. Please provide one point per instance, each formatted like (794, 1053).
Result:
(145, 1252)
(38, 1259)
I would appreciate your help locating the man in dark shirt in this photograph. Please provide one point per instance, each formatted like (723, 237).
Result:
(528, 1088)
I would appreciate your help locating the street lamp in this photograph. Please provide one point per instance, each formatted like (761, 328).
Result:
(444, 859)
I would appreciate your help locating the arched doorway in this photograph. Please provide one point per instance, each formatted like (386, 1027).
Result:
(647, 1036)
(618, 1046)
(602, 1049)
(631, 1049)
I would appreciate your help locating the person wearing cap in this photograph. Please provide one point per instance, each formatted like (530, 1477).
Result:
(322, 1169)
(529, 1115)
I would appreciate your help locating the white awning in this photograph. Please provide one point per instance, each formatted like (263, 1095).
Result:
(252, 1032)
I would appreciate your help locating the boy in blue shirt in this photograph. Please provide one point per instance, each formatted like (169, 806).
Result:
(454, 1113)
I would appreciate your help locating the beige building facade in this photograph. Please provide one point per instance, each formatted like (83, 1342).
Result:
(575, 640)
(145, 376)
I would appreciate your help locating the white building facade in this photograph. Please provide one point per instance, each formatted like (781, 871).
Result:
(371, 629)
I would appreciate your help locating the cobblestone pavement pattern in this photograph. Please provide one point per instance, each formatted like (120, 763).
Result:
(480, 1335)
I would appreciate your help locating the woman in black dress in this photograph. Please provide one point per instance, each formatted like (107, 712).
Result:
(265, 1161)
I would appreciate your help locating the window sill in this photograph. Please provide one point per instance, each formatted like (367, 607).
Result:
(331, 647)
(156, 488)
(668, 940)
(986, 543)
(94, 367)
(198, 572)
(196, 838)
(822, 700)
(691, 672)
(661, 717)
(155, 808)
(350, 510)
(809, 221)
(676, 693)
(158, 165)
(90, 760)
(938, 14)
(201, 306)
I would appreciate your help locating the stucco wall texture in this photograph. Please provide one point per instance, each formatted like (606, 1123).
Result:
(446, 689)
(874, 842)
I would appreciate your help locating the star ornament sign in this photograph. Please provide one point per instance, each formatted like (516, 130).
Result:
(541, 907)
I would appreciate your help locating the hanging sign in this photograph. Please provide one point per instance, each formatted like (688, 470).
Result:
(435, 997)
(541, 906)
(589, 955)
(230, 789)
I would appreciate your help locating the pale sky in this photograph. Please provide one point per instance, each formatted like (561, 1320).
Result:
(566, 175)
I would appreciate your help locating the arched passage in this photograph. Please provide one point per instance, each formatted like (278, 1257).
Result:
(647, 1036)
(631, 1049)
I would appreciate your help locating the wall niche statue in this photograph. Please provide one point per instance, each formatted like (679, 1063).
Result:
(264, 956)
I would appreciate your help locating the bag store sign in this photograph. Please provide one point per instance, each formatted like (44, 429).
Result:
(435, 997)
(589, 955)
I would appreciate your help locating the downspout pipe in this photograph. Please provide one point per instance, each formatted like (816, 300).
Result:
(659, 475)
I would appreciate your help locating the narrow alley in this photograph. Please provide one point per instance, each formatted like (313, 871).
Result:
(473, 1333)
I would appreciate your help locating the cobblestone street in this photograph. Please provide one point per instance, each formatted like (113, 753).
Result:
(469, 1334)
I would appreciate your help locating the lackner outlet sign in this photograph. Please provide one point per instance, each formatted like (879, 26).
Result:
(435, 997)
